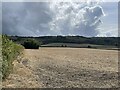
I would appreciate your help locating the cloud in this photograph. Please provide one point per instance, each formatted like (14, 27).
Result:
(51, 18)
(76, 18)
(25, 18)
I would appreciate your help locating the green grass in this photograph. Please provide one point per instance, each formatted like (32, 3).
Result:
(10, 52)
(72, 45)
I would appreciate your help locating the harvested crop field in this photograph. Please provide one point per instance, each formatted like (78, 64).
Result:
(71, 67)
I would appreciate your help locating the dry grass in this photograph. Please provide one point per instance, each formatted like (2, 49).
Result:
(73, 67)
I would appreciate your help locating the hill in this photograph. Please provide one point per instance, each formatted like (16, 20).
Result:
(71, 41)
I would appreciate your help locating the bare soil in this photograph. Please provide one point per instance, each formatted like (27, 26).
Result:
(65, 67)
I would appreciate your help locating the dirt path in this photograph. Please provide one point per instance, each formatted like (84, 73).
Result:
(66, 67)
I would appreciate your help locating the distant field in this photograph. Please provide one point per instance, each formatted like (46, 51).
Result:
(72, 45)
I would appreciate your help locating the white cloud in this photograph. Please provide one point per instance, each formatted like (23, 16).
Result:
(76, 18)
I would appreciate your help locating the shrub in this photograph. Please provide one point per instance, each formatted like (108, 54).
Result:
(31, 44)
(62, 46)
(89, 46)
(65, 45)
(10, 51)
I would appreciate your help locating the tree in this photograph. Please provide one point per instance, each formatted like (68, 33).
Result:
(31, 44)
(89, 46)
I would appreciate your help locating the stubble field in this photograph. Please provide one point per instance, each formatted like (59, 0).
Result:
(68, 67)
(73, 67)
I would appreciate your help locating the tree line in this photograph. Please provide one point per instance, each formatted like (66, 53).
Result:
(113, 41)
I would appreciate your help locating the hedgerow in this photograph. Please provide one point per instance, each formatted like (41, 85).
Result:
(10, 52)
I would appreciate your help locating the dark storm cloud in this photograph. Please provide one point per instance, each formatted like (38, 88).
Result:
(25, 18)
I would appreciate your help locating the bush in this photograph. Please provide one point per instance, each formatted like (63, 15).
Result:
(62, 46)
(10, 52)
(89, 46)
(65, 45)
(31, 44)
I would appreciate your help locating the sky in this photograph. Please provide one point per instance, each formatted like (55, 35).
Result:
(88, 19)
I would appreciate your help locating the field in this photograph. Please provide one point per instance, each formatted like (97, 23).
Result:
(65, 67)
(73, 45)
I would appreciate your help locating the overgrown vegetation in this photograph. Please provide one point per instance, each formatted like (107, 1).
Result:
(0, 57)
(10, 52)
